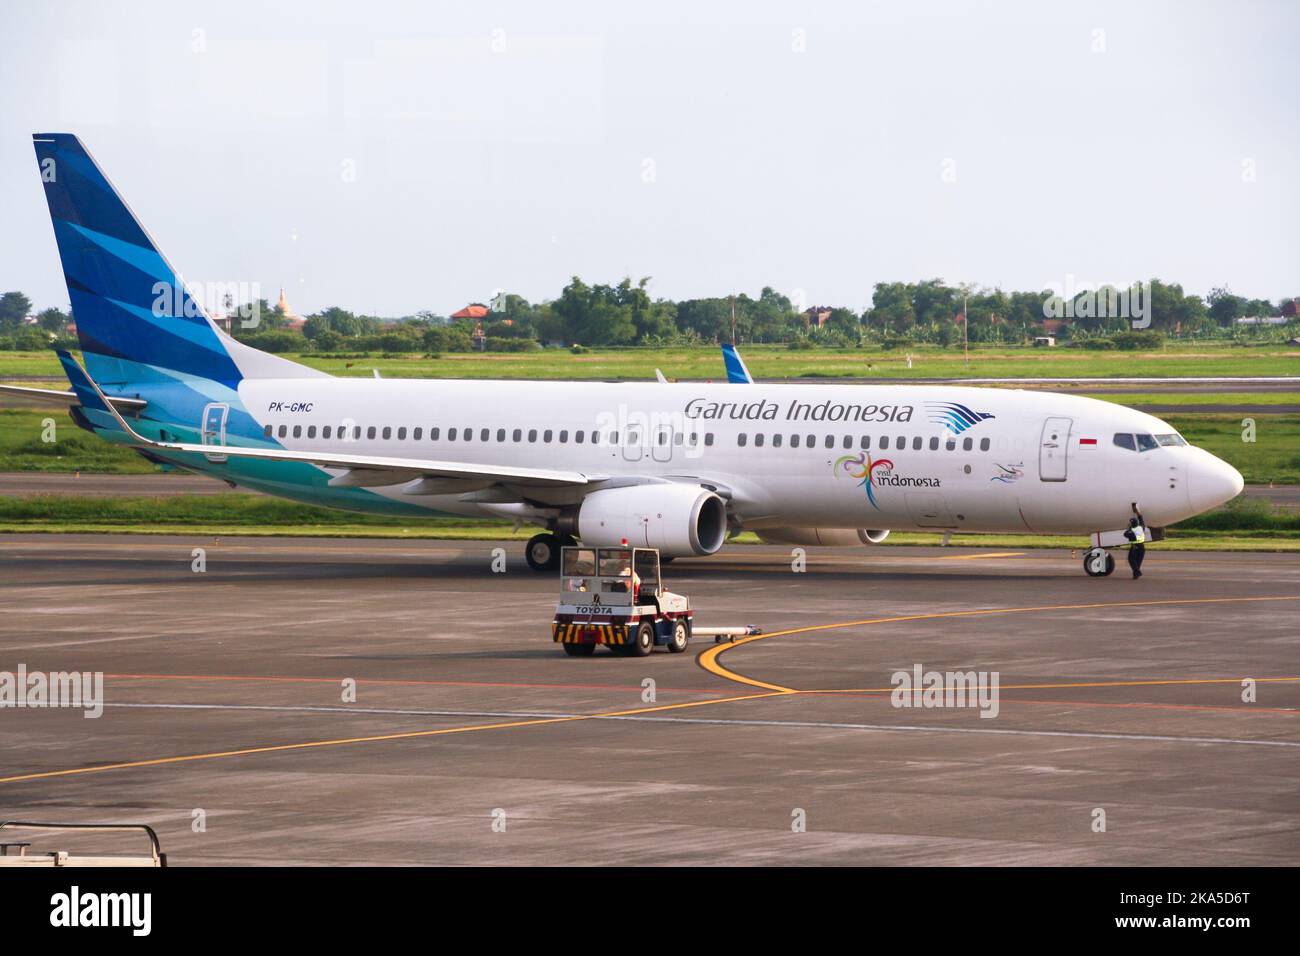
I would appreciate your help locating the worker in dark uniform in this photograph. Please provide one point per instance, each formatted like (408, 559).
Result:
(1138, 549)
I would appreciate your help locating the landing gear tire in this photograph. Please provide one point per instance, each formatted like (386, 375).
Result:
(681, 637)
(580, 650)
(644, 641)
(543, 552)
(1098, 563)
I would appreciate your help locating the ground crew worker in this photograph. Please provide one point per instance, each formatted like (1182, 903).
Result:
(1138, 549)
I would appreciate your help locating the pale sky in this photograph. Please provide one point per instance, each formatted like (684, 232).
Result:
(389, 157)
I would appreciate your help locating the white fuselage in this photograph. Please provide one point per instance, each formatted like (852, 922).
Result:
(787, 455)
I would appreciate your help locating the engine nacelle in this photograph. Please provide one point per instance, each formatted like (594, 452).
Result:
(823, 537)
(678, 519)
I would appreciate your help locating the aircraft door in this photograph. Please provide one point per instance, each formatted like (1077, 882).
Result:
(214, 427)
(661, 448)
(1054, 449)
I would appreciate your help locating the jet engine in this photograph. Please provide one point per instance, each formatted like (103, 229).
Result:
(678, 519)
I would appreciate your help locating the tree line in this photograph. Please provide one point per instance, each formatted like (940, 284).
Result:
(625, 314)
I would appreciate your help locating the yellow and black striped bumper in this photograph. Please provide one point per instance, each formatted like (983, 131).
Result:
(589, 633)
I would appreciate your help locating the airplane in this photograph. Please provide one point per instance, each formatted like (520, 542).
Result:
(680, 467)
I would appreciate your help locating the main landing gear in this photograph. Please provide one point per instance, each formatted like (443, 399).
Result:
(1098, 563)
(543, 550)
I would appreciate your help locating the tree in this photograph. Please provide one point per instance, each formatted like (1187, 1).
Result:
(53, 320)
(14, 307)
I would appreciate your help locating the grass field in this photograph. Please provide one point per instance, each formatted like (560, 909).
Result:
(1244, 525)
(776, 361)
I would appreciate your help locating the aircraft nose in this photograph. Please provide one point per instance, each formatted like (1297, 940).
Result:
(1212, 481)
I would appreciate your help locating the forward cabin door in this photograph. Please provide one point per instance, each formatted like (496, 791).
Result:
(1054, 449)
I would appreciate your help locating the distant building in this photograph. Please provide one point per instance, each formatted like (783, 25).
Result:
(1264, 320)
(1045, 341)
(818, 315)
(474, 310)
(292, 319)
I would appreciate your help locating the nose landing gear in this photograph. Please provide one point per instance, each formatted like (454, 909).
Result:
(1098, 563)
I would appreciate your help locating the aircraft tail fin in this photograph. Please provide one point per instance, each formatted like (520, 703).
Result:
(135, 319)
(737, 372)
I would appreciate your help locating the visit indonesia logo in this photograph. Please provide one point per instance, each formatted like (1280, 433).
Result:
(867, 470)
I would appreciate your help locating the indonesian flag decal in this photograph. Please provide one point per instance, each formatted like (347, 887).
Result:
(1087, 441)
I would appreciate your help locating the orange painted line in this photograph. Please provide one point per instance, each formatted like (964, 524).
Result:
(709, 659)
(1068, 685)
(338, 742)
(397, 682)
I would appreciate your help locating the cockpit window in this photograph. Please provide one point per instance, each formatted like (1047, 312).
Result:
(1171, 440)
(1146, 443)
(1125, 440)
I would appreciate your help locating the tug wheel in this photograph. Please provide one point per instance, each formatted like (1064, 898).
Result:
(644, 641)
(681, 637)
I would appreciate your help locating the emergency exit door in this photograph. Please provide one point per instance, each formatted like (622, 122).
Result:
(1054, 449)
(214, 427)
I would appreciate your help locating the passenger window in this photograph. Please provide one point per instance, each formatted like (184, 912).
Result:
(916, 443)
(677, 439)
(776, 440)
(967, 444)
(267, 431)
(387, 433)
(517, 435)
(433, 434)
(613, 438)
(546, 436)
(633, 438)
(467, 434)
(564, 436)
(356, 433)
(451, 434)
(830, 441)
(708, 439)
(865, 443)
(794, 441)
(311, 431)
(934, 443)
(950, 444)
(485, 435)
(884, 443)
(501, 434)
(1125, 440)
(578, 437)
(984, 444)
(1146, 443)
(811, 442)
(297, 431)
(741, 440)
(758, 440)
(532, 434)
(284, 430)
(325, 432)
(401, 433)
(848, 442)
(416, 433)
(595, 438)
